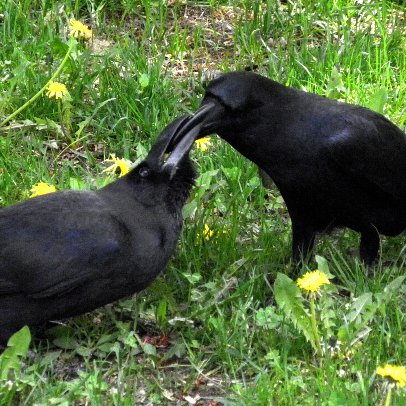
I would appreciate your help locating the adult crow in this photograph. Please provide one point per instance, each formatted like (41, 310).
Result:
(335, 164)
(69, 252)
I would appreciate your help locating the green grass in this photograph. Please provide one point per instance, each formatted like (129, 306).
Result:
(230, 341)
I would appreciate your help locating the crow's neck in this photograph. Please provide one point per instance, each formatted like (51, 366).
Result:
(181, 185)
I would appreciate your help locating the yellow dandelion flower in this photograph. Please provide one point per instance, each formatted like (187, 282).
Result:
(79, 30)
(42, 188)
(207, 232)
(57, 90)
(119, 164)
(203, 144)
(313, 281)
(395, 372)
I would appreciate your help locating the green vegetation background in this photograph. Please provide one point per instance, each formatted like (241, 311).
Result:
(209, 329)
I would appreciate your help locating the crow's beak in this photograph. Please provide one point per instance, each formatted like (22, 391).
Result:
(199, 118)
(183, 137)
(166, 137)
(177, 139)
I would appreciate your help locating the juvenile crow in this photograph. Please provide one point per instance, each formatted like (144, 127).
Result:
(69, 252)
(335, 164)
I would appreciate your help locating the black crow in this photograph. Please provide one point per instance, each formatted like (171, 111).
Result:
(335, 164)
(69, 252)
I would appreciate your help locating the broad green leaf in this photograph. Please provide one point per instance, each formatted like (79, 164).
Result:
(322, 264)
(360, 336)
(144, 80)
(343, 333)
(83, 351)
(58, 401)
(76, 184)
(395, 285)
(20, 341)
(18, 345)
(268, 318)
(328, 314)
(49, 358)
(389, 291)
(63, 337)
(254, 182)
(338, 399)
(106, 347)
(66, 343)
(193, 278)
(233, 174)
(107, 338)
(8, 360)
(335, 85)
(149, 349)
(130, 340)
(190, 208)
(178, 350)
(289, 299)
(205, 179)
(378, 100)
(358, 306)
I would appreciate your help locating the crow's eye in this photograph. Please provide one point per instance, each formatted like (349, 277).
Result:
(144, 172)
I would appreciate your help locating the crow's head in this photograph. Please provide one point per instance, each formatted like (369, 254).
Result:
(231, 103)
(167, 173)
(237, 91)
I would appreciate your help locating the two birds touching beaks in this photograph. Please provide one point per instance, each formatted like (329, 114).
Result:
(335, 164)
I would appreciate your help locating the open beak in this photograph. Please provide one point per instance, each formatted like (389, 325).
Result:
(183, 137)
(200, 118)
(165, 139)
(177, 138)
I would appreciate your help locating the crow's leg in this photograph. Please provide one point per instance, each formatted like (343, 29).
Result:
(303, 236)
(369, 245)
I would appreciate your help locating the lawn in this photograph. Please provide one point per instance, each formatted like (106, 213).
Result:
(226, 323)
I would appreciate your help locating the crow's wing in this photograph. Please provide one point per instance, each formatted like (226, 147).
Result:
(52, 244)
(372, 149)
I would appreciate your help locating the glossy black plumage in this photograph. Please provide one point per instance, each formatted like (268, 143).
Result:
(335, 164)
(69, 252)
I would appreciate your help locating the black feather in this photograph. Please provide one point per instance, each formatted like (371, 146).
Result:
(68, 252)
(335, 164)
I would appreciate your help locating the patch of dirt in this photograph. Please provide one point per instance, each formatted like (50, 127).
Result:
(101, 46)
(217, 27)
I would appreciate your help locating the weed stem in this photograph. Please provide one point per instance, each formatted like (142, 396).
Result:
(314, 323)
(72, 43)
(389, 396)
